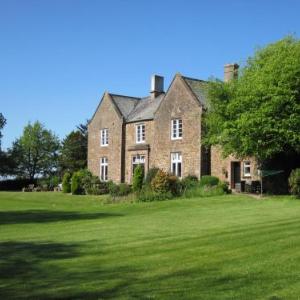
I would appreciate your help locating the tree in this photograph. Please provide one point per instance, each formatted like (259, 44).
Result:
(73, 152)
(2, 123)
(258, 114)
(35, 152)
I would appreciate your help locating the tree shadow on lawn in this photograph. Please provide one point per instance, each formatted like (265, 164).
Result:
(47, 270)
(44, 216)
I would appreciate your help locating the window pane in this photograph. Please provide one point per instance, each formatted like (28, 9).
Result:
(179, 169)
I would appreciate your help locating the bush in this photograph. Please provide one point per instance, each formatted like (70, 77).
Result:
(204, 191)
(66, 183)
(119, 190)
(294, 182)
(15, 184)
(175, 185)
(124, 189)
(76, 184)
(148, 195)
(160, 183)
(150, 175)
(189, 181)
(224, 186)
(138, 177)
(209, 180)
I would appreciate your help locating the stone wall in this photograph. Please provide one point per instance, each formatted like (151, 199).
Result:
(180, 103)
(221, 166)
(133, 148)
(106, 116)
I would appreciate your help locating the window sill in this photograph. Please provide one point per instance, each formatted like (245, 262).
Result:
(103, 145)
(142, 142)
(176, 139)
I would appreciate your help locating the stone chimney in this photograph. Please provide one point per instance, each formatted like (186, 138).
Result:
(157, 86)
(230, 72)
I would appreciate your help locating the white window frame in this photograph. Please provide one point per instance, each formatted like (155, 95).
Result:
(246, 165)
(140, 133)
(176, 158)
(176, 129)
(104, 137)
(103, 169)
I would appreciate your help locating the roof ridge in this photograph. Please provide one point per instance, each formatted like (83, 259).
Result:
(191, 78)
(118, 95)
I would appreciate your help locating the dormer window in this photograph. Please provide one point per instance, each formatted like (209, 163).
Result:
(104, 137)
(176, 129)
(140, 133)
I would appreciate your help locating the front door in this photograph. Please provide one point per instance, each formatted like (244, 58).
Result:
(235, 173)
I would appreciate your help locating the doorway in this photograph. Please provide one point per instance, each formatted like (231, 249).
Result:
(235, 173)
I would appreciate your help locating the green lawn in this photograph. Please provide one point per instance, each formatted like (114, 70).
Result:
(55, 246)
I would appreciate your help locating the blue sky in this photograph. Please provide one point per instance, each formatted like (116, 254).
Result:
(57, 57)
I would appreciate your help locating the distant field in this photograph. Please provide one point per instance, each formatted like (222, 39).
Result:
(55, 246)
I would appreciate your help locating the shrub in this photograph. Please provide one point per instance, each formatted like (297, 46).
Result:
(66, 183)
(146, 194)
(209, 180)
(53, 182)
(189, 181)
(204, 191)
(160, 183)
(138, 177)
(224, 186)
(175, 185)
(76, 183)
(116, 190)
(124, 189)
(150, 175)
(294, 182)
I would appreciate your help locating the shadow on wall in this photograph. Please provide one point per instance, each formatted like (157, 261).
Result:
(44, 216)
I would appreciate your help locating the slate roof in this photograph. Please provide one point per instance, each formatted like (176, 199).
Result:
(198, 88)
(145, 108)
(134, 109)
(125, 104)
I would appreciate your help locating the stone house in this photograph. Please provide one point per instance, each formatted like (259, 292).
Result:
(161, 130)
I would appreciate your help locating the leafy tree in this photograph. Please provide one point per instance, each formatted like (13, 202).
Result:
(73, 153)
(35, 152)
(2, 123)
(258, 114)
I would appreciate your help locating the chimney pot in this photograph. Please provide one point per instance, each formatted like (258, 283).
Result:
(157, 85)
(230, 72)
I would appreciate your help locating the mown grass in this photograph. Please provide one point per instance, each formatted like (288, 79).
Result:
(55, 246)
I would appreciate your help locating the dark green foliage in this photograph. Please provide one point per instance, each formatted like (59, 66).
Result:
(76, 183)
(258, 114)
(189, 181)
(150, 175)
(73, 153)
(224, 186)
(294, 182)
(175, 186)
(119, 190)
(146, 194)
(138, 178)
(15, 184)
(66, 183)
(2, 123)
(124, 189)
(208, 180)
